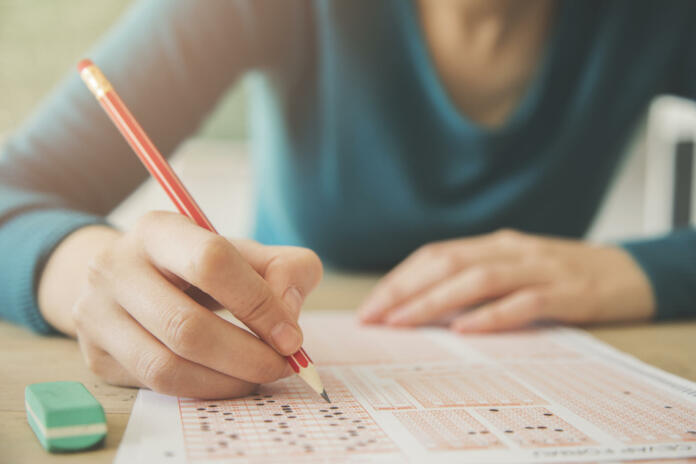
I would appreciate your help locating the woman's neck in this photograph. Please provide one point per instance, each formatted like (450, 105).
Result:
(485, 51)
(487, 22)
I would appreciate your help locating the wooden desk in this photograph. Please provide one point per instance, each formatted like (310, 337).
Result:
(26, 358)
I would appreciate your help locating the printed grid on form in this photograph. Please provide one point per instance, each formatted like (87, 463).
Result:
(512, 394)
(439, 386)
(348, 343)
(284, 419)
(620, 405)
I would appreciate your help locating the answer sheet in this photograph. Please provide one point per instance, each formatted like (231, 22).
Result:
(428, 395)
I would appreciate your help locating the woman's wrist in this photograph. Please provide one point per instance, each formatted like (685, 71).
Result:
(65, 272)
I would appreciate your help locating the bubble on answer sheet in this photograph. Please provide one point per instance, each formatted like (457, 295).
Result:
(447, 430)
(283, 419)
(531, 427)
(636, 418)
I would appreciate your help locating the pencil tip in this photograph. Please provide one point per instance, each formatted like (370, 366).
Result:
(325, 396)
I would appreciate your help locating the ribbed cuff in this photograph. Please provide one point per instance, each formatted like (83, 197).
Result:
(26, 242)
(670, 264)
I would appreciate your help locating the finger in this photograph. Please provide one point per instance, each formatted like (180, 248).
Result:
(191, 331)
(155, 366)
(213, 264)
(430, 265)
(406, 280)
(512, 312)
(470, 287)
(106, 367)
(291, 272)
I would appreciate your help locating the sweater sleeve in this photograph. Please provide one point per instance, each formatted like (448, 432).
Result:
(67, 166)
(670, 264)
(670, 261)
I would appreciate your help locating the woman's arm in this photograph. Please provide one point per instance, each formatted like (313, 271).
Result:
(670, 264)
(670, 261)
(122, 293)
(67, 166)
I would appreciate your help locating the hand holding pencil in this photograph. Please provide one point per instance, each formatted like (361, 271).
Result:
(175, 345)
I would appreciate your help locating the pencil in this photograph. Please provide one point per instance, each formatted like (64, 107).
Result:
(160, 169)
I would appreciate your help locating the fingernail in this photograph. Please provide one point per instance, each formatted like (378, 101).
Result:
(293, 298)
(287, 338)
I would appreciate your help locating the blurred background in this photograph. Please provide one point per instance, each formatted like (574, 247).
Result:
(41, 40)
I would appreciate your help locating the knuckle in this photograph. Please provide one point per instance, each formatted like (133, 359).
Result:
(314, 263)
(554, 267)
(534, 247)
(149, 218)
(507, 237)
(507, 233)
(99, 268)
(81, 312)
(296, 260)
(182, 332)
(155, 369)
(78, 313)
(449, 263)
(278, 264)
(209, 258)
(484, 279)
(257, 308)
(429, 250)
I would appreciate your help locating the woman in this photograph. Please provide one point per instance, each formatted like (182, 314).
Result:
(380, 128)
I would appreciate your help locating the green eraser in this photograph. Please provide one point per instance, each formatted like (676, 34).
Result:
(64, 415)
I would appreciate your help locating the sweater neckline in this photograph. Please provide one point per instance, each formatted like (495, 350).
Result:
(525, 106)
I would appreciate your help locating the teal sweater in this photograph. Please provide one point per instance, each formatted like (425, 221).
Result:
(359, 152)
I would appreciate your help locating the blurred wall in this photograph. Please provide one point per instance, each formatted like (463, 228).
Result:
(41, 40)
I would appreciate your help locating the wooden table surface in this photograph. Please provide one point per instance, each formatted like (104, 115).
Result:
(27, 358)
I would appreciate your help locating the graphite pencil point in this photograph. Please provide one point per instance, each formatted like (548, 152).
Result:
(325, 396)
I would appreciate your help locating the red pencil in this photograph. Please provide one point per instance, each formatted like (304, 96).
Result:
(160, 169)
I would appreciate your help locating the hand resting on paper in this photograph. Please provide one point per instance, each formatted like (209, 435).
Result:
(137, 321)
(507, 280)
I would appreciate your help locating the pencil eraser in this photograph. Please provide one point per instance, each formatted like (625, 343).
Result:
(84, 64)
(64, 415)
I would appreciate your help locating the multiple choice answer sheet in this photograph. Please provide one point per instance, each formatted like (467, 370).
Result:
(428, 395)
